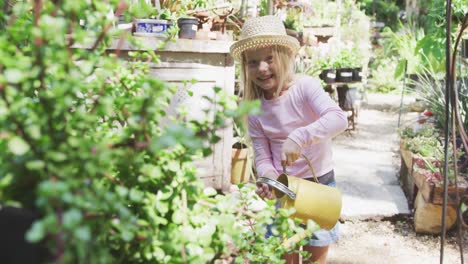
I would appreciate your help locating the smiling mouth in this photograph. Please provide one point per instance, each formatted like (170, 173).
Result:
(265, 78)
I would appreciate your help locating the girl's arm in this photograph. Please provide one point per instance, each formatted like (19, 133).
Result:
(331, 122)
(261, 147)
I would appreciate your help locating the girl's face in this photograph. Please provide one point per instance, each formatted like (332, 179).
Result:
(261, 69)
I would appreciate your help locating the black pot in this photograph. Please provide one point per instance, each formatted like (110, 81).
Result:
(328, 75)
(344, 75)
(357, 74)
(188, 27)
(464, 48)
(14, 223)
(412, 80)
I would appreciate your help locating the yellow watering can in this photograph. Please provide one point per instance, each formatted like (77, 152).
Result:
(315, 201)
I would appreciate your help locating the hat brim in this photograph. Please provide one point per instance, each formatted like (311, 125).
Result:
(261, 42)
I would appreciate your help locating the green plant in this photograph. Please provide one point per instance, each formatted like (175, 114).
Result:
(143, 9)
(263, 8)
(84, 146)
(245, 216)
(323, 14)
(294, 19)
(382, 75)
(347, 58)
(431, 90)
(385, 11)
(404, 45)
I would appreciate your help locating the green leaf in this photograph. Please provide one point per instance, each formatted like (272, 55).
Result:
(56, 156)
(209, 191)
(18, 146)
(400, 69)
(127, 235)
(36, 233)
(13, 76)
(83, 233)
(178, 217)
(6, 180)
(34, 131)
(72, 218)
(136, 195)
(35, 164)
(122, 191)
(154, 172)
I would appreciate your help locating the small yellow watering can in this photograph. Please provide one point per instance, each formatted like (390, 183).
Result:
(315, 201)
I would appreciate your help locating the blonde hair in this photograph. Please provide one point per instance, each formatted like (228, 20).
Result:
(284, 62)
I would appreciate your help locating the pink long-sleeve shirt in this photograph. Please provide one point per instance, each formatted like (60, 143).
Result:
(306, 114)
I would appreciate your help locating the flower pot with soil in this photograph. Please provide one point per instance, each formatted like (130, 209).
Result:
(344, 75)
(464, 48)
(188, 27)
(328, 75)
(357, 74)
(150, 27)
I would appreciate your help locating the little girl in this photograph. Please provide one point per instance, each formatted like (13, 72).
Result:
(298, 117)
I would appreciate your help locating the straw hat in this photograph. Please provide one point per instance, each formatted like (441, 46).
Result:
(259, 32)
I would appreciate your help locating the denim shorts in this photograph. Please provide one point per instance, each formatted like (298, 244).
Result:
(322, 237)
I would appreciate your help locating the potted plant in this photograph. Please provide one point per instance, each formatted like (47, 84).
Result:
(148, 20)
(328, 73)
(342, 63)
(293, 24)
(241, 159)
(464, 48)
(188, 27)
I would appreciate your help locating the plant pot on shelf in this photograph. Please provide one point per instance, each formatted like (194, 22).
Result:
(328, 75)
(412, 80)
(464, 48)
(241, 163)
(150, 27)
(357, 74)
(188, 27)
(14, 225)
(344, 75)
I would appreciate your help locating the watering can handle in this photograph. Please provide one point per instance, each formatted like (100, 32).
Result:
(277, 185)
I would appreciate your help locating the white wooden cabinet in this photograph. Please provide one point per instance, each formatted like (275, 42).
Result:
(210, 64)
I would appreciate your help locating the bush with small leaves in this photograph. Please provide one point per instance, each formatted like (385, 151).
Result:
(82, 145)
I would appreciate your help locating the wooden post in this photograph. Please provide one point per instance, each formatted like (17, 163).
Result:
(338, 20)
(243, 8)
(411, 8)
(271, 7)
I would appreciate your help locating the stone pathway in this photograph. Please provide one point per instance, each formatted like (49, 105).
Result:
(367, 161)
(367, 167)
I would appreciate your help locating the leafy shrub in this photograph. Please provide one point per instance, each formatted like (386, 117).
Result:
(382, 78)
(85, 147)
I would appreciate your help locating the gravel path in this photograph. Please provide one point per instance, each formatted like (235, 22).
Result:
(378, 224)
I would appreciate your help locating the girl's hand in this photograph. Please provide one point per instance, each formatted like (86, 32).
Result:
(290, 152)
(264, 191)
